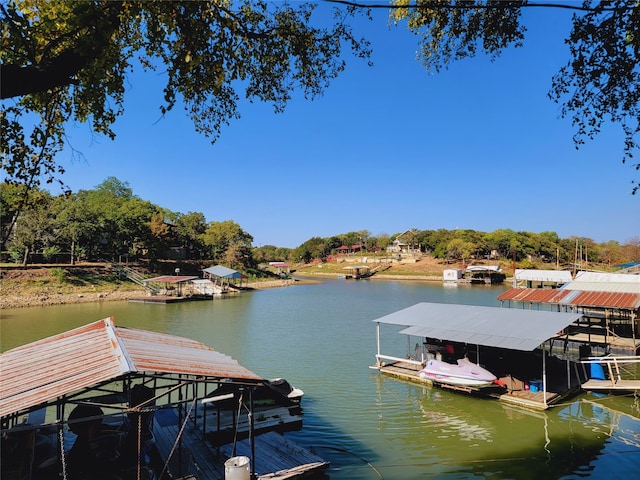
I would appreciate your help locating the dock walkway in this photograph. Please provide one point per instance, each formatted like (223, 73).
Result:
(276, 457)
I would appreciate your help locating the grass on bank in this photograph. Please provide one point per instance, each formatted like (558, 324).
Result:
(60, 280)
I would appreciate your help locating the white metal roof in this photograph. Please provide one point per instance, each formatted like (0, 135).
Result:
(223, 272)
(605, 282)
(514, 329)
(557, 276)
(484, 268)
(99, 352)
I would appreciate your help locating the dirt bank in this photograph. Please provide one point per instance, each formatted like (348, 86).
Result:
(45, 299)
(39, 287)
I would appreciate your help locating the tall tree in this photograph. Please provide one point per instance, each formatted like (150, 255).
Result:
(600, 82)
(189, 228)
(34, 228)
(221, 236)
(76, 223)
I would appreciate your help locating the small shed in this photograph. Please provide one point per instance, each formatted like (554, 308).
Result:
(452, 274)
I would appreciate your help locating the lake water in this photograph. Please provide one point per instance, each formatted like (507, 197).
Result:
(321, 337)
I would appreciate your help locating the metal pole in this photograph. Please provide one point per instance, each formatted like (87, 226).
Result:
(251, 436)
(378, 342)
(544, 376)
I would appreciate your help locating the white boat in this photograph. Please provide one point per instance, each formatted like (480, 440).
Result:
(464, 373)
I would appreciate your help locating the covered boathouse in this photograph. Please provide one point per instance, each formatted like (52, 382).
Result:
(153, 404)
(513, 344)
(609, 304)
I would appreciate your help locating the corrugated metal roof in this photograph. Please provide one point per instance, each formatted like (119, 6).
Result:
(484, 268)
(535, 295)
(557, 276)
(605, 282)
(489, 326)
(99, 352)
(630, 301)
(223, 272)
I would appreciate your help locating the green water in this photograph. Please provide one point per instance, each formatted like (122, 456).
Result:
(321, 337)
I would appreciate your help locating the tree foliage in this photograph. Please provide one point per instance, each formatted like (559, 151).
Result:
(65, 62)
(600, 82)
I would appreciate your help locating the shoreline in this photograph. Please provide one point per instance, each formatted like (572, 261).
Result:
(46, 299)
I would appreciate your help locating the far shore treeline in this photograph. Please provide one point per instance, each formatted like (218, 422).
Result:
(110, 223)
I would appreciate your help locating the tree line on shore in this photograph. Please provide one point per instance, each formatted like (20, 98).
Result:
(110, 223)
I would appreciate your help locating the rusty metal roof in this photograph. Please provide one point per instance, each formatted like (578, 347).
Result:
(99, 352)
(622, 300)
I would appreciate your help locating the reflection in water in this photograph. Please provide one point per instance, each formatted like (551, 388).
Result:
(321, 338)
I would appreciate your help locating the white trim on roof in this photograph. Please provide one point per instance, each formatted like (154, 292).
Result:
(605, 282)
(557, 276)
(489, 326)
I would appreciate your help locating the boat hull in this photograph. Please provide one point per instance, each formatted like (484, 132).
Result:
(464, 373)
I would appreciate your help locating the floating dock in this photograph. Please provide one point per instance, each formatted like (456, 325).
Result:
(275, 457)
(611, 371)
(515, 393)
(166, 299)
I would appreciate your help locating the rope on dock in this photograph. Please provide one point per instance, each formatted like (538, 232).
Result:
(344, 450)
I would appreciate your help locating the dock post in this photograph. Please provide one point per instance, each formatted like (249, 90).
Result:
(378, 343)
(251, 436)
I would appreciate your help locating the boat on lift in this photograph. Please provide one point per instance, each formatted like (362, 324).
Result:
(463, 373)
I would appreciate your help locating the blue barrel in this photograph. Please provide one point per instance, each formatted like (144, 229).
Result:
(535, 386)
(597, 372)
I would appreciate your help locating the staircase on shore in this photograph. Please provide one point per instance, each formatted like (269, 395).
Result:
(136, 277)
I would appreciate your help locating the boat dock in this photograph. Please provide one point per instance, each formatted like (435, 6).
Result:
(275, 457)
(166, 299)
(512, 344)
(515, 393)
(608, 374)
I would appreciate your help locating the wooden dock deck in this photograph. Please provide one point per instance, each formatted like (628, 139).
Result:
(611, 385)
(613, 369)
(515, 396)
(276, 457)
(166, 299)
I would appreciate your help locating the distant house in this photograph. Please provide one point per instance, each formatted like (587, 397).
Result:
(403, 243)
(280, 267)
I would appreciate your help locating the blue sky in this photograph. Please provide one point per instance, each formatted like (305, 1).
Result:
(385, 149)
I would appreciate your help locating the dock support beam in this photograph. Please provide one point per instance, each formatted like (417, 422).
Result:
(378, 344)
